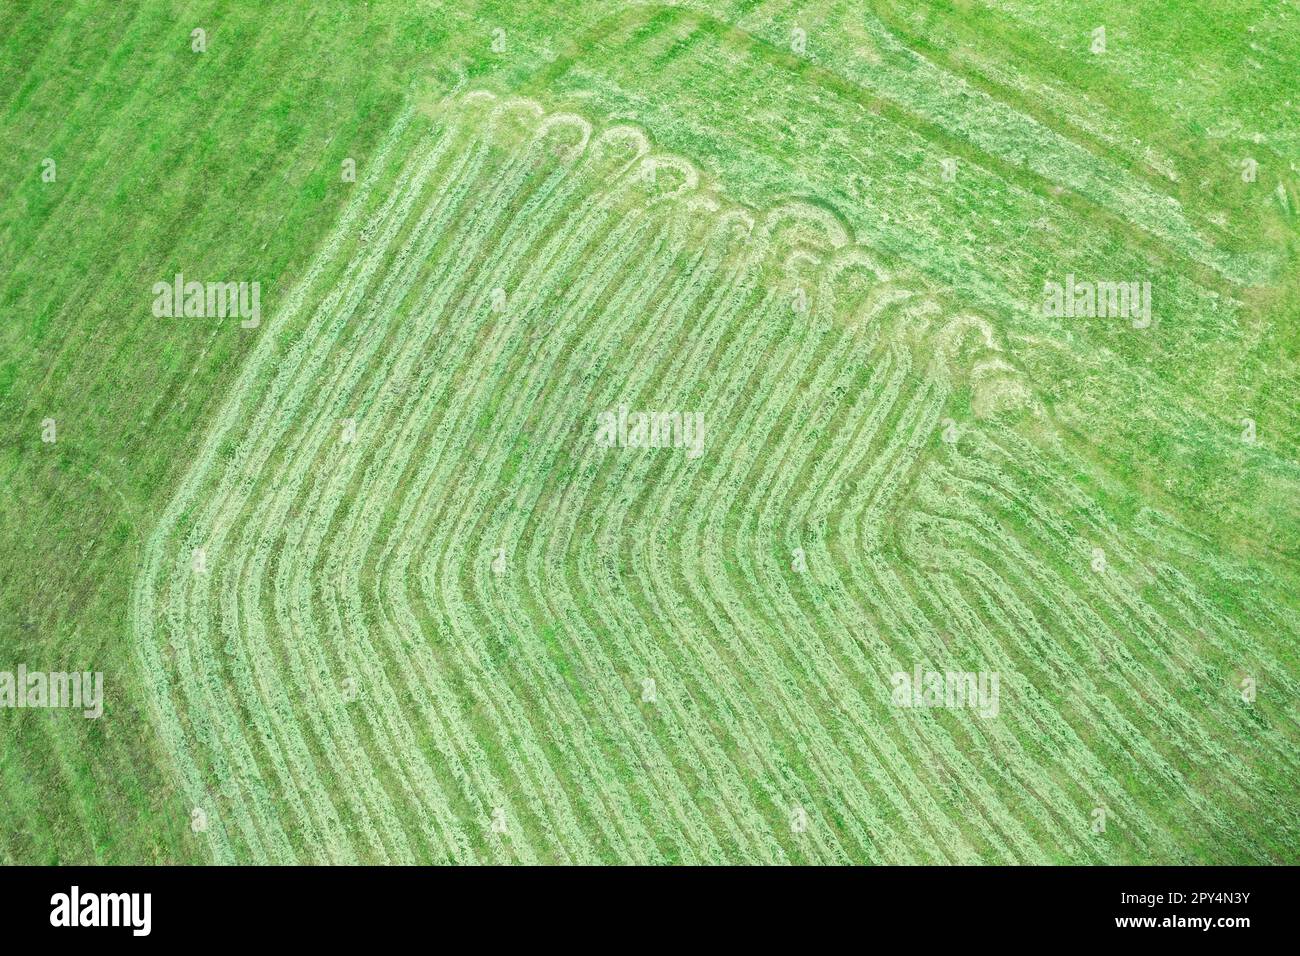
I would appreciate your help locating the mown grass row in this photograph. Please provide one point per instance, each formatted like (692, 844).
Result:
(498, 716)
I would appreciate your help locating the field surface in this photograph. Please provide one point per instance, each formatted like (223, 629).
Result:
(393, 572)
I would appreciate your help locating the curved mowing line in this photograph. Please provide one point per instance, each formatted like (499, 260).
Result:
(630, 280)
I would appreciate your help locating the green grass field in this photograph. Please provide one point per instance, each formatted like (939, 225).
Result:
(385, 577)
